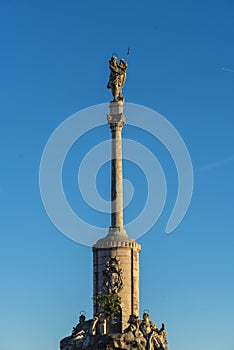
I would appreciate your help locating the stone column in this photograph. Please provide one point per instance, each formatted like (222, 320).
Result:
(117, 244)
(116, 120)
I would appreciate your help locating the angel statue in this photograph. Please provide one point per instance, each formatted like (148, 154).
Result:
(117, 77)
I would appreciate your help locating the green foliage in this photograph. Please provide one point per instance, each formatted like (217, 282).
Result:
(110, 304)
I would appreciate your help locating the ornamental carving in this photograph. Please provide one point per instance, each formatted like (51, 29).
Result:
(113, 280)
(140, 335)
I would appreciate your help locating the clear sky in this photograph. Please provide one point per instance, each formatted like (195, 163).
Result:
(54, 62)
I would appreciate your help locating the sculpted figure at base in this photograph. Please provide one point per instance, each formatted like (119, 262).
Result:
(140, 335)
(117, 78)
(134, 329)
(155, 337)
(81, 334)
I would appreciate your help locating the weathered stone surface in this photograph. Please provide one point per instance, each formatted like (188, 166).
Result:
(113, 342)
(117, 245)
(129, 293)
(140, 334)
(116, 120)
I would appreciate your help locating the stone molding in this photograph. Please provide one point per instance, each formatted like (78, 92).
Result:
(128, 243)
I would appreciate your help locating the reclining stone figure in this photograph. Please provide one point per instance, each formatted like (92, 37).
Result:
(81, 334)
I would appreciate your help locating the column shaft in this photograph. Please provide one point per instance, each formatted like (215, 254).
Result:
(117, 177)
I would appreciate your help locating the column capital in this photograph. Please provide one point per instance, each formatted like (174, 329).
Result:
(116, 118)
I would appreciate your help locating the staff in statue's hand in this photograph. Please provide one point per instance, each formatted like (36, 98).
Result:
(128, 52)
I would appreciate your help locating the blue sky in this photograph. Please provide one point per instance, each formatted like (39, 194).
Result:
(54, 62)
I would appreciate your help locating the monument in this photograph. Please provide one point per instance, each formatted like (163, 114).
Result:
(116, 323)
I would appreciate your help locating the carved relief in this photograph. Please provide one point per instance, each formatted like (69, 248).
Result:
(113, 281)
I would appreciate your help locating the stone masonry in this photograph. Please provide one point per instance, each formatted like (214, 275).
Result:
(117, 244)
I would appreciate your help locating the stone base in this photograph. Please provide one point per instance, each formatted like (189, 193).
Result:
(112, 342)
(115, 341)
